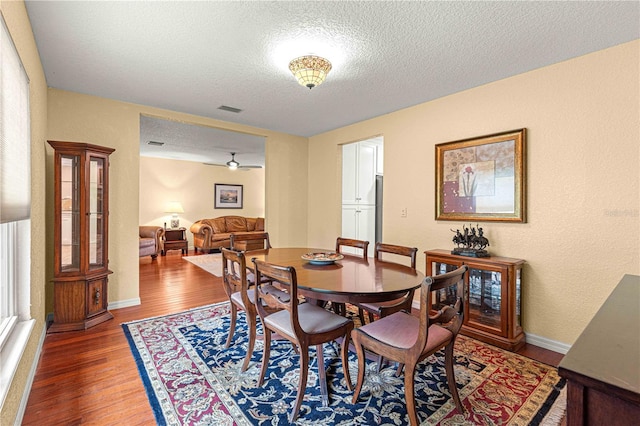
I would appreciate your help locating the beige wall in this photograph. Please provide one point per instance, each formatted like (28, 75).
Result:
(582, 232)
(192, 184)
(83, 118)
(15, 16)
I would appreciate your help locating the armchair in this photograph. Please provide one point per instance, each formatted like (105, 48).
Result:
(150, 240)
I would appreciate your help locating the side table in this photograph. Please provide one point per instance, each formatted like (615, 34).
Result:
(175, 239)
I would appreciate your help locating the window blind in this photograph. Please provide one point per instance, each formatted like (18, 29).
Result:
(15, 138)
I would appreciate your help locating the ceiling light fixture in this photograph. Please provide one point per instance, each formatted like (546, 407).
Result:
(233, 164)
(310, 71)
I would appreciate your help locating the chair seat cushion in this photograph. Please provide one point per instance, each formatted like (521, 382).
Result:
(220, 236)
(313, 320)
(401, 330)
(236, 298)
(147, 242)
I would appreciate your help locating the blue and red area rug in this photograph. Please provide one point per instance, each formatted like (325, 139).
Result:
(191, 379)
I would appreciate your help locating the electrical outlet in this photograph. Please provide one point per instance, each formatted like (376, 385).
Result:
(403, 212)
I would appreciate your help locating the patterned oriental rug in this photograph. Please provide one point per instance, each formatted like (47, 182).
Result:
(191, 379)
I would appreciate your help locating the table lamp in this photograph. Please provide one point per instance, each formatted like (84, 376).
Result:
(174, 207)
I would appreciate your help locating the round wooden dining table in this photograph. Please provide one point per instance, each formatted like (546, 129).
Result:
(351, 279)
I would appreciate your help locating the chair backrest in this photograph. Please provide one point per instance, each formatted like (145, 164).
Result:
(348, 242)
(273, 297)
(253, 237)
(449, 316)
(234, 273)
(410, 252)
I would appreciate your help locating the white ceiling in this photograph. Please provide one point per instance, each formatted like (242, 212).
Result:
(194, 57)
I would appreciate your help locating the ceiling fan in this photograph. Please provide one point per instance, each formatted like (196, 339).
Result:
(234, 165)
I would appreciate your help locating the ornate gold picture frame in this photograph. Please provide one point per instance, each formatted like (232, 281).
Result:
(482, 179)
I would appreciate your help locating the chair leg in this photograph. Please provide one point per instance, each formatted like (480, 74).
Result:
(371, 318)
(232, 325)
(345, 359)
(266, 353)
(339, 308)
(322, 375)
(380, 361)
(451, 377)
(361, 316)
(409, 395)
(361, 368)
(302, 385)
(251, 319)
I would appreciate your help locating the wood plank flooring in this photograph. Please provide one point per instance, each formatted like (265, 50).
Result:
(89, 377)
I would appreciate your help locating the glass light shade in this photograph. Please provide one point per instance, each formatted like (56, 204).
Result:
(174, 207)
(310, 71)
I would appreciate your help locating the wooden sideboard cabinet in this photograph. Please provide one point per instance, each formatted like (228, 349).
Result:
(80, 237)
(493, 289)
(602, 367)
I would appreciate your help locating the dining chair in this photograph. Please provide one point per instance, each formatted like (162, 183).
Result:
(348, 242)
(250, 241)
(340, 308)
(241, 296)
(382, 309)
(408, 339)
(303, 324)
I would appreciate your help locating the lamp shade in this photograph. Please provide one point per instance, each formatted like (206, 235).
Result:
(310, 71)
(174, 207)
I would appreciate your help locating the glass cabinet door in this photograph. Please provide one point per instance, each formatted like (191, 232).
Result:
(96, 212)
(70, 214)
(484, 307)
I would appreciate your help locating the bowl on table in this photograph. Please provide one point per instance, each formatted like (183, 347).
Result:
(322, 258)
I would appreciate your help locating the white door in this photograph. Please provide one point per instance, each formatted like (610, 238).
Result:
(349, 173)
(358, 222)
(366, 192)
(359, 165)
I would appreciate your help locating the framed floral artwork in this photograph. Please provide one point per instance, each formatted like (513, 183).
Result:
(228, 196)
(482, 179)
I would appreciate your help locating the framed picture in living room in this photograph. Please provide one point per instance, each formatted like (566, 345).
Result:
(228, 196)
(482, 179)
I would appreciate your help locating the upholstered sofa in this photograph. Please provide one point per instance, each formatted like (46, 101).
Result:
(215, 233)
(150, 240)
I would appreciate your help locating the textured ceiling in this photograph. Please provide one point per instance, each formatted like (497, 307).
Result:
(189, 142)
(194, 57)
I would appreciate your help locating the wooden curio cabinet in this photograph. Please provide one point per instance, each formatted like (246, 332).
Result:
(81, 260)
(493, 289)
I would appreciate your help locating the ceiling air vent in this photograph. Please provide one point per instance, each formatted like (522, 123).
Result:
(229, 109)
(154, 143)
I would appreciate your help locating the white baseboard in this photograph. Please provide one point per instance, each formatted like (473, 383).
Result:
(543, 342)
(532, 339)
(124, 303)
(32, 374)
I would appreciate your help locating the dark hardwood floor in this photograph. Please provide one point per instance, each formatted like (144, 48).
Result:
(90, 377)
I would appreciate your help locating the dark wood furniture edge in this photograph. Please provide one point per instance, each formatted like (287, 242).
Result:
(602, 365)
